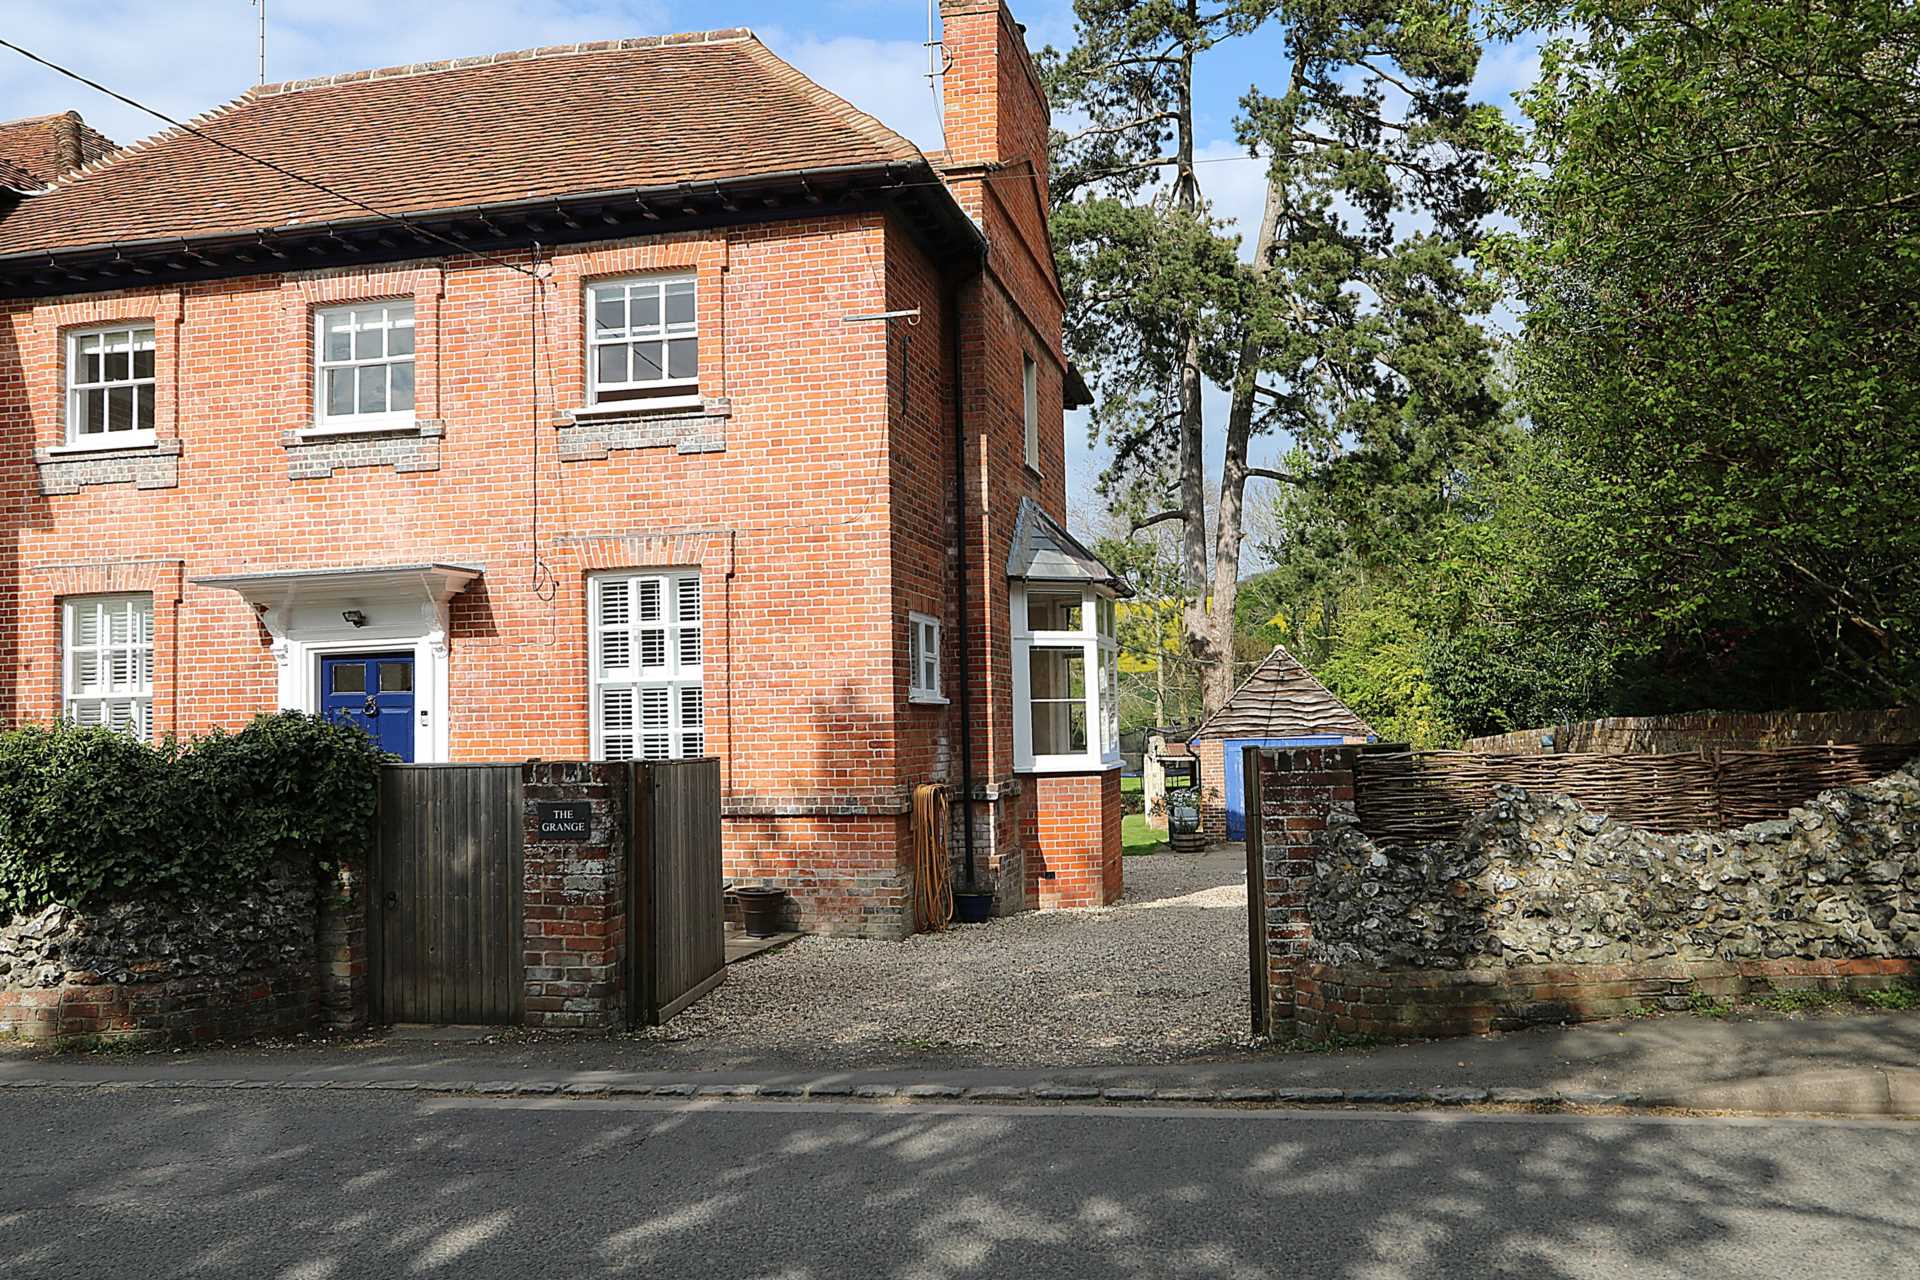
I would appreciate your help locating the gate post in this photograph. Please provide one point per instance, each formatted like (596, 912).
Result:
(1298, 789)
(342, 979)
(575, 903)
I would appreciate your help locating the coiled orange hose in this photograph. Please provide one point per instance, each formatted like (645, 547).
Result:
(932, 871)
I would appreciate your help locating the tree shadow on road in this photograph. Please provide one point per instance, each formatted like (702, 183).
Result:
(317, 1187)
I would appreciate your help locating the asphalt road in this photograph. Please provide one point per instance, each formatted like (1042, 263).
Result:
(313, 1187)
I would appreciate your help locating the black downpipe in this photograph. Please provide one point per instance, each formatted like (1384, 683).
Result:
(961, 524)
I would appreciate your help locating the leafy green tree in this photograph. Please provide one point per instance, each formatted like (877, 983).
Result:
(1720, 260)
(1349, 331)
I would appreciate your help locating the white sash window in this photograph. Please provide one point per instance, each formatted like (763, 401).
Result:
(643, 340)
(645, 641)
(110, 387)
(107, 653)
(923, 655)
(363, 365)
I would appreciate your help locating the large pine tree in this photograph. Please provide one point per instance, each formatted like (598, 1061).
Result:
(1348, 331)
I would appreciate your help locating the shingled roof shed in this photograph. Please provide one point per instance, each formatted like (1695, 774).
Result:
(1280, 704)
(1281, 699)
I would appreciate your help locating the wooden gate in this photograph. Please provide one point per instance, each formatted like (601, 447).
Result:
(1259, 977)
(445, 924)
(676, 914)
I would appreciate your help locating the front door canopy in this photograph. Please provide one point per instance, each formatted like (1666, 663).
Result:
(284, 590)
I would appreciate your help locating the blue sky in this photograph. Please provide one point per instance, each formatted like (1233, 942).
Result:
(188, 56)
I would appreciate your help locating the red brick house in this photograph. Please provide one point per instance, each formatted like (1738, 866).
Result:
(635, 398)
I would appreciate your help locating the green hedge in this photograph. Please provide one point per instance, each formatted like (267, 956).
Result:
(90, 816)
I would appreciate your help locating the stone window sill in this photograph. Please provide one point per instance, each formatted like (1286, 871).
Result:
(678, 407)
(146, 444)
(339, 431)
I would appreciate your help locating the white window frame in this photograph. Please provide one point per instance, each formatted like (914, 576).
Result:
(1030, 405)
(923, 659)
(1098, 645)
(650, 393)
(125, 702)
(676, 682)
(140, 337)
(326, 423)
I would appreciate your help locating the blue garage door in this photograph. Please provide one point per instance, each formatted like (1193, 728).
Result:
(1235, 768)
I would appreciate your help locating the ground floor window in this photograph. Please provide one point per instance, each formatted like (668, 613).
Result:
(1066, 679)
(107, 656)
(646, 641)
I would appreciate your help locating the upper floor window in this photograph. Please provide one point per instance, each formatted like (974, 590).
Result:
(110, 386)
(1030, 398)
(643, 339)
(363, 365)
(107, 650)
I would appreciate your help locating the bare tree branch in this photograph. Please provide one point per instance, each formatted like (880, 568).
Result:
(1162, 518)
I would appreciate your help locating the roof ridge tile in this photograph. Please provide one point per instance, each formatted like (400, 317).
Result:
(719, 35)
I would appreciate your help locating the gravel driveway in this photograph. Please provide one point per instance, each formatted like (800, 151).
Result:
(1161, 976)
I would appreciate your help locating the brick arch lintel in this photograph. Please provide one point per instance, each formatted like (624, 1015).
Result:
(710, 549)
(109, 577)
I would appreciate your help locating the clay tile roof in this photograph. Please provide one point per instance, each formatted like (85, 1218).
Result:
(35, 151)
(14, 178)
(568, 120)
(1281, 699)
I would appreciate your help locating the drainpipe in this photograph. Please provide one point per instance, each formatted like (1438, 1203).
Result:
(961, 523)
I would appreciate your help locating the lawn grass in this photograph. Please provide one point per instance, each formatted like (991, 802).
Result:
(1137, 838)
(1131, 782)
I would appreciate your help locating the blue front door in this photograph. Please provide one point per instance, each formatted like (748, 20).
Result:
(372, 691)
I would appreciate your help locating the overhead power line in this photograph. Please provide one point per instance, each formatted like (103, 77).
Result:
(466, 250)
(278, 168)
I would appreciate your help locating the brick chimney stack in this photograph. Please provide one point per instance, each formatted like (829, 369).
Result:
(994, 108)
(40, 149)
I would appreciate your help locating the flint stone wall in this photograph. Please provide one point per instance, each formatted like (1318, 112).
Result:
(1539, 880)
(161, 970)
(1540, 911)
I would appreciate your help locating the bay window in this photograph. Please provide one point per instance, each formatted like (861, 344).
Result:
(1066, 671)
